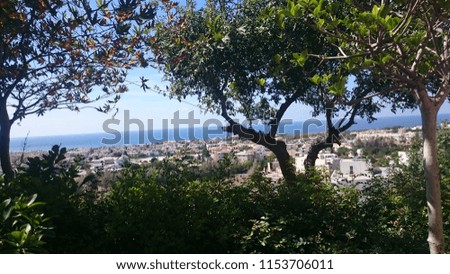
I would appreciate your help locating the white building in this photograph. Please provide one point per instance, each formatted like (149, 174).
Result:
(352, 172)
(354, 167)
(244, 156)
(328, 161)
(403, 157)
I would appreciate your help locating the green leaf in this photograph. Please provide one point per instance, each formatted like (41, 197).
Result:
(218, 36)
(290, 5)
(6, 202)
(7, 213)
(280, 19)
(294, 10)
(349, 66)
(316, 79)
(369, 62)
(363, 30)
(33, 198)
(326, 78)
(387, 58)
(261, 81)
(390, 23)
(338, 88)
(375, 10)
(27, 228)
(36, 204)
(321, 22)
(317, 10)
(277, 59)
(301, 58)
(18, 236)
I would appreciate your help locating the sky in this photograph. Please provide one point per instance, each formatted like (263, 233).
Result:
(139, 104)
(145, 106)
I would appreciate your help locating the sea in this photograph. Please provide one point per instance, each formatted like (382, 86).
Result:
(116, 138)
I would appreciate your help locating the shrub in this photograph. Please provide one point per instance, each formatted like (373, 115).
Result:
(54, 184)
(155, 213)
(23, 225)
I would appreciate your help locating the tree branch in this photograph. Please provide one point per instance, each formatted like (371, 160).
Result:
(351, 120)
(257, 137)
(365, 97)
(275, 123)
(323, 57)
(411, 9)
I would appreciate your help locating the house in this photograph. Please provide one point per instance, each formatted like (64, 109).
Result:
(329, 161)
(245, 156)
(354, 167)
(403, 157)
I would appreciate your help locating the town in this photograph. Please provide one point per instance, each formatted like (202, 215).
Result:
(357, 161)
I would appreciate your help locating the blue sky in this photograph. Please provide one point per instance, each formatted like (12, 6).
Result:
(141, 105)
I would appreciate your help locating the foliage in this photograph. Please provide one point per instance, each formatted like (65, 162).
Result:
(150, 213)
(191, 215)
(386, 217)
(66, 200)
(380, 151)
(172, 208)
(397, 213)
(23, 225)
(306, 218)
(153, 214)
(386, 37)
(230, 51)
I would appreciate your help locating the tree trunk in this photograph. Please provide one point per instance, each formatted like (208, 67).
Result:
(5, 130)
(432, 178)
(278, 147)
(313, 153)
(333, 137)
(284, 159)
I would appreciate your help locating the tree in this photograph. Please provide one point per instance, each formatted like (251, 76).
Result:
(228, 54)
(53, 53)
(240, 57)
(406, 42)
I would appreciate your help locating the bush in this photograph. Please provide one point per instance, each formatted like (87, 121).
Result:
(309, 216)
(23, 225)
(52, 182)
(172, 207)
(155, 213)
